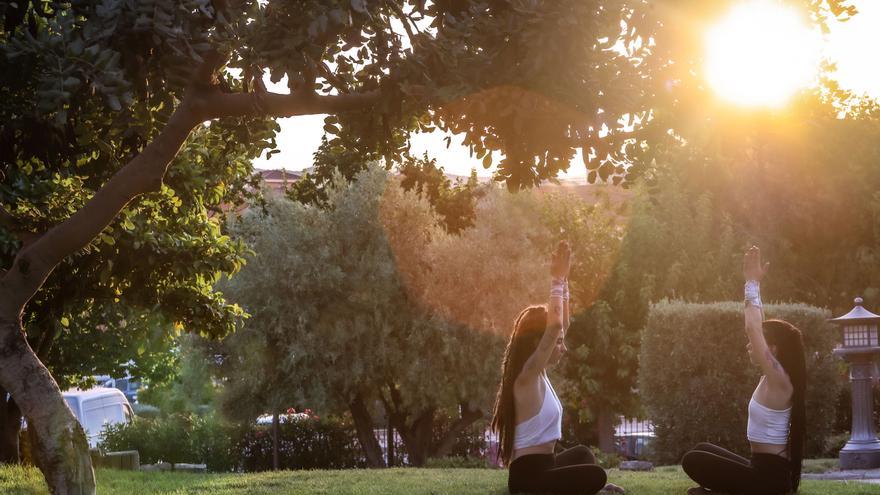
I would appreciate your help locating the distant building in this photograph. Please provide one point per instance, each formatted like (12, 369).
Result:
(279, 180)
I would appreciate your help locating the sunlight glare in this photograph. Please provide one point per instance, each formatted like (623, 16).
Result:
(760, 54)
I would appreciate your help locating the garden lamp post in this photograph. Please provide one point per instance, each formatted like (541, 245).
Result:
(860, 345)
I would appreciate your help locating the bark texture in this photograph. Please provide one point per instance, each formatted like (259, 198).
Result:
(363, 423)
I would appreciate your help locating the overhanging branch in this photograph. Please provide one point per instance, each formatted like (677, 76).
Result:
(204, 101)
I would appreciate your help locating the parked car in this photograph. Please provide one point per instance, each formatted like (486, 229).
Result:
(634, 445)
(128, 385)
(97, 407)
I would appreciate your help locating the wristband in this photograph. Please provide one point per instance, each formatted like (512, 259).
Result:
(566, 295)
(753, 293)
(557, 288)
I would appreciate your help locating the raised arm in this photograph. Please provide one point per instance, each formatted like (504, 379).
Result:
(753, 272)
(559, 266)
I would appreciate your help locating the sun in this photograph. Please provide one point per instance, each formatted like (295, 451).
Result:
(760, 54)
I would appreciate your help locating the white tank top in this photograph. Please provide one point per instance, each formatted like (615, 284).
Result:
(543, 427)
(767, 425)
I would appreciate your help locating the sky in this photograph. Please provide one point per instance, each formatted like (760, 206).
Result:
(850, 45)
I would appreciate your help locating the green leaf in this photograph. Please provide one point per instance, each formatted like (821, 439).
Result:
(65, 322)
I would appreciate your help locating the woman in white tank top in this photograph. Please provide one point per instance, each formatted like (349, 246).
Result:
(776, 409)
(528, 414)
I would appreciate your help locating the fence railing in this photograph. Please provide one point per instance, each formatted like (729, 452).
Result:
(632, 436)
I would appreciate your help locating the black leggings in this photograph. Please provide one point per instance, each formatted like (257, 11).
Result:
(718, 469)
(572, 471)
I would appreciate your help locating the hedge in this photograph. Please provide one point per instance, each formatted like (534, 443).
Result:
(695, 378)
(304, 443)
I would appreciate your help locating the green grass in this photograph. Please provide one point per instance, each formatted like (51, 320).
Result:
(663, 481)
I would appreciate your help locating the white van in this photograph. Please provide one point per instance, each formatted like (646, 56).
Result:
(97, 407)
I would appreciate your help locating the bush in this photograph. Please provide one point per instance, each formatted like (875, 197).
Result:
(177, 438)
(696, 379)
(156, 440)
(146, 411)
(304, 443)
(216, 443)
(834, 443)
(607, 460)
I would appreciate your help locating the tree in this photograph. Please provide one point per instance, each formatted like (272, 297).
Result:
(597, 381)
(128, 293)
(533, 80)
(455, 202)
(347, 299)
(322, 291)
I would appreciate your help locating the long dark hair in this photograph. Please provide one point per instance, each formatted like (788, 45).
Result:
(790, 354)
(527, 332)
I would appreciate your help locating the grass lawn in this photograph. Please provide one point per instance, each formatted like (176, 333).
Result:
(398, 481)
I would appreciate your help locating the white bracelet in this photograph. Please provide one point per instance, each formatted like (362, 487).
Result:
(566, 296)
(557, 288)
(753, 293)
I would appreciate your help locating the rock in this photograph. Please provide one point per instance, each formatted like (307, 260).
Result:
(636, 466)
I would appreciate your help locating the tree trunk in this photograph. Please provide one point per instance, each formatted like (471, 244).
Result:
(60, 446)
(417, 437)
(389, 442)
(363, 423)
(275, 428)
(605, 427)
(10, 427)
(466, 418)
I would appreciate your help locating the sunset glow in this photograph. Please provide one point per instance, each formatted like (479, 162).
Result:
(760, 53)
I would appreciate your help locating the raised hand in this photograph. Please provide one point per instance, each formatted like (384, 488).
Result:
(753, 269)
(560, 261)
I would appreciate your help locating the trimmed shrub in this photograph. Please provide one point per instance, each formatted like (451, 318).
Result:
(304, 443)
(165, 439)
(216, 443)
(696, 379)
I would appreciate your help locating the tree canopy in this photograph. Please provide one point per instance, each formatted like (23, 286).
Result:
(119, 86)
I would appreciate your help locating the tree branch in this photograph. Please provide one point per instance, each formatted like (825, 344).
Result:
(203, 101)
(467, 418)
(403, 20)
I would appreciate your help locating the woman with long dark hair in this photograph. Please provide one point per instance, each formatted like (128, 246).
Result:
(528, 414)
(776, 410)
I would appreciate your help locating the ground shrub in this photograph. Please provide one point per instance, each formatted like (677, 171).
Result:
(304, 443)
(146, 410)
